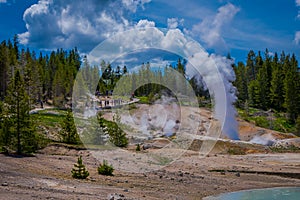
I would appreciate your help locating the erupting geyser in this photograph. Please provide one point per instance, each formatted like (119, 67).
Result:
(215, 71)
(221, 89)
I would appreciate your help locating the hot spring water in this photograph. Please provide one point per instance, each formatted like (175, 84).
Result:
(284, 193)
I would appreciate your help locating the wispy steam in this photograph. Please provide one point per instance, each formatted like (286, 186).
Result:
(267, 140)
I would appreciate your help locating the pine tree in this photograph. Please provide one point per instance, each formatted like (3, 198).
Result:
(277, 87)
(268, 66)
(21, 128)
(263, 88)
(180, 67)
(80, 88)
(258, 63)
(116, 134)
(32, 77)
(69, 131)
(125, 71)
(58, 86)
(6, 137)
(250, 66)
(291, 85)
(99, 131)
(4, 70)
(79, 171)
(253, 91)
(241, 83)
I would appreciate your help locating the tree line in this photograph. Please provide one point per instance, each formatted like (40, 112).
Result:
(26, 80)
(148, 81)
(269, 81)
(46, 77)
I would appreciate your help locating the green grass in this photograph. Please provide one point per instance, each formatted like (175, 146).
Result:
(144, 100)
(279, 123)
(49, 118)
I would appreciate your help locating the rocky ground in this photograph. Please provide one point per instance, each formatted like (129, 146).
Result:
(47, 176)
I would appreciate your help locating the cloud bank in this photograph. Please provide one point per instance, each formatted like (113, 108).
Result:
(66, 23)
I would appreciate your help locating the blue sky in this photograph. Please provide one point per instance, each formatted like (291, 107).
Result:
(220, 26)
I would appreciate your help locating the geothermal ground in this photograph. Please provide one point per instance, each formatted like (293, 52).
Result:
(47, 176)
(191, 176)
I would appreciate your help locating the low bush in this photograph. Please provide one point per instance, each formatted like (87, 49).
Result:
(105, 169)
(138, 147)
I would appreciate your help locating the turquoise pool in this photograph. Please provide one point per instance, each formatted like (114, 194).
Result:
(283, 193)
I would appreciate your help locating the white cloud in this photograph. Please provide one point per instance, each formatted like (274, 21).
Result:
(211, 28)
(132, 5)
(3, 1)
(174, 23)
(145, 24)
(174, 39)
(298, 5)
(297, 34)
(297, 37)
(66, 23)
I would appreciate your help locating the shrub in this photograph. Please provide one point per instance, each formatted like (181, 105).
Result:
(79, 171)
(138, 147)
(105, 169)
(236, 151)
(261, 122)
(298, 126)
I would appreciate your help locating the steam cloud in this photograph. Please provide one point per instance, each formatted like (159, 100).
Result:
(216, 71)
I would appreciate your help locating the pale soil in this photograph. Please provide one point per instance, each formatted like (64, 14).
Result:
(47, 176)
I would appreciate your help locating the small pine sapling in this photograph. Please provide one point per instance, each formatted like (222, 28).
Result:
(79, 171)
(138, 147)
(105, 169)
